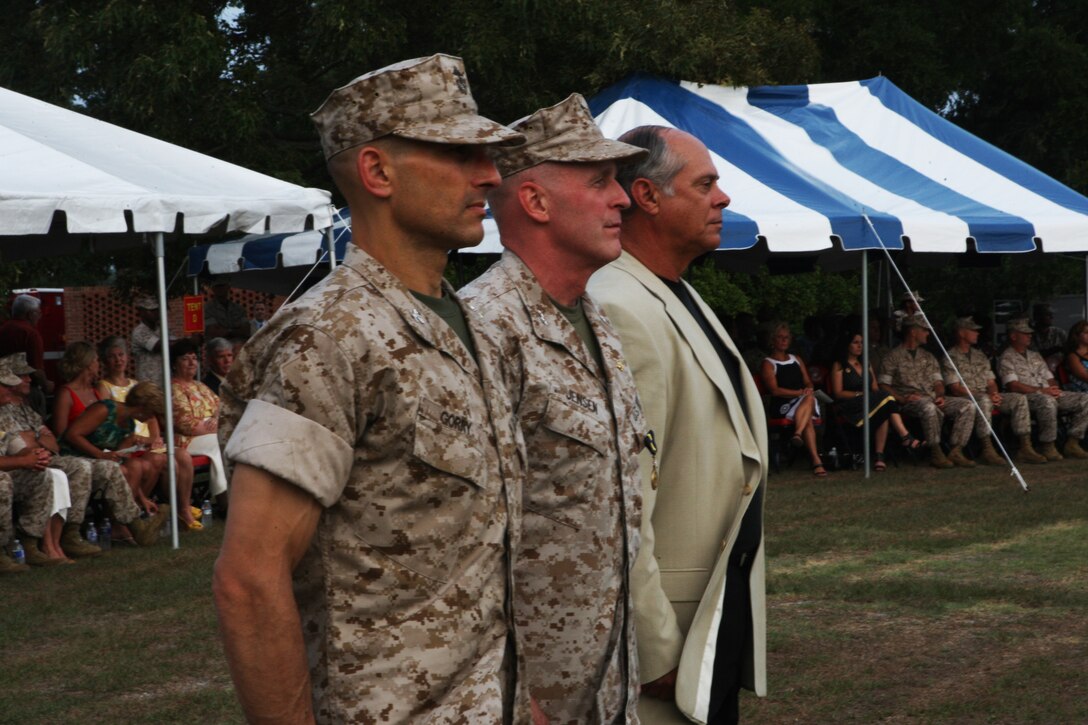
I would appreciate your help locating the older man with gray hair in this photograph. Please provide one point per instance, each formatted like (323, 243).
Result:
(20, 334)
(698, 580)
(558, 211)
(219, 358)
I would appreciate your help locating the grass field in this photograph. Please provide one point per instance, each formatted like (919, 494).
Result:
(918, 596)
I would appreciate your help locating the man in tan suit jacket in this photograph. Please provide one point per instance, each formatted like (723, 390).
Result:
(699, 577)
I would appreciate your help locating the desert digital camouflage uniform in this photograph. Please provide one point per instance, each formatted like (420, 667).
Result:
(975, 368)
(7, 497)
(916, 371)
(1029, 368)
(32, 491)
(583, 430)
(96, 475)
(361, 396)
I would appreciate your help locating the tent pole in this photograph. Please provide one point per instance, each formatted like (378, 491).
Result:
(1084, 310)
(865, 356)
(331, 244)
(164, 331)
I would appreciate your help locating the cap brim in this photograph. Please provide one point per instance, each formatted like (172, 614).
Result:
(603, 149)
(462, 130)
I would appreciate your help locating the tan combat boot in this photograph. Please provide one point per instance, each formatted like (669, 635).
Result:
(34, 555)
(146, 531)
(1047, 449)
(937, 458)
(8, 565)
(74, 545)
(956, 456)
(989, 456)
(1072, 449)
(1027, 453)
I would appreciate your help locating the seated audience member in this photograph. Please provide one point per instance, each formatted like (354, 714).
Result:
(908, 306)
(1024, 371)
(1076, 357)
(219, 354)
(1049, 339)
(20, 334)
(107, 431)
(222, 316)
(792, 396)
(260, 317)
(114, 385)
(912, 376)
(105, 476)
(80, 368)
(40, 493)
(848, 391)
(978, 378)
(196, 413)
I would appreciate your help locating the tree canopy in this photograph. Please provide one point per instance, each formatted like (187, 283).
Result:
(238, 80)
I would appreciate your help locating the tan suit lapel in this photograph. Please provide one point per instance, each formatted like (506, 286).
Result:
(706, 355)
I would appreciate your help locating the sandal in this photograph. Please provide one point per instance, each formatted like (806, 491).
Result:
(879, 465)
(819, 471)
(911, 442)
(796, 441)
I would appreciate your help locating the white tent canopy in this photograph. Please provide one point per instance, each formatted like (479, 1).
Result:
(66, 177)
(108, 180)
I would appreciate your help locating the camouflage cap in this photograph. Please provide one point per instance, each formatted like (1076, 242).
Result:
(7, 377)
(1020, 324)
(425, 99)
(916, 320)
(966, 323)
(565, 133)
(16, 363)
(917, 295)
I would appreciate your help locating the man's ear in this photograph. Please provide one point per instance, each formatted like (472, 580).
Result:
(646, 195)
(534, 201)
(375, 170)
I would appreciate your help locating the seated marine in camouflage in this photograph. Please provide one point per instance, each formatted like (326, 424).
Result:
(1024, 371)
(978, 378)
(913, 377)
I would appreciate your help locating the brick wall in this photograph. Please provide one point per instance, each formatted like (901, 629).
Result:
(93, 313)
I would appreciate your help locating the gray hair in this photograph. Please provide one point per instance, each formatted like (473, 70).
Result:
(24, 305)
(216, 344)
(660, 166)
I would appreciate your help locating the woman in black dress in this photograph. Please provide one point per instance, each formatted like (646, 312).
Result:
(792, 396)
(847, 390)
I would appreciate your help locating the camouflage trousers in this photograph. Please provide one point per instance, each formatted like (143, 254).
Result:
(106, 476)
(33, 492)
(1046, 410)
(1016, 407)
(97, 475)
(7, 498)
(959, 410)
(78, 471)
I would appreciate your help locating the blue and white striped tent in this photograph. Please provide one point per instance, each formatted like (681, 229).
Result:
(273, 263)
(806, 165)
(821, 169)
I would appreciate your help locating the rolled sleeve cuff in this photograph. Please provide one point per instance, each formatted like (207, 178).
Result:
(884, 379)
(293, 447)
(1010, 378)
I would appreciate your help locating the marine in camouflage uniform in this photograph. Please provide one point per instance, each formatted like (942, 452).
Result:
(32, 491)
(578, 409)
(85, 475)
(978, 377)
(98, 475)
(912, 375)
(1025, 371)
(391, 440)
